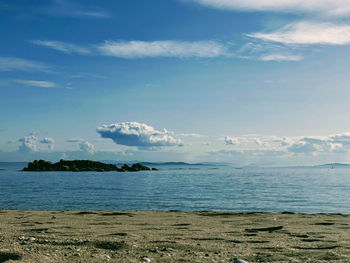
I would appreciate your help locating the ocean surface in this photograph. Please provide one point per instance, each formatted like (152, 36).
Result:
(179, 187)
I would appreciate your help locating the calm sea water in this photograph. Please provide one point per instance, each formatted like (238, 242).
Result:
(307, 190)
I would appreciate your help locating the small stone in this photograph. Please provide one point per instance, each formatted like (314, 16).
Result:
(144, 259)
(21, 238)
(154, 250)
(238, 260)
(31, 239)
(107, 257)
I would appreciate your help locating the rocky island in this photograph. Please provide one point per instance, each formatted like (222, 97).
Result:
(82, 166)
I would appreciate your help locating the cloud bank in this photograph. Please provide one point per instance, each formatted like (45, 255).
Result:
(137, 134)
(323, 7)
(308, 33)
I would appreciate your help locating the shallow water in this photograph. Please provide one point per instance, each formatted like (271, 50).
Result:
(307, 190)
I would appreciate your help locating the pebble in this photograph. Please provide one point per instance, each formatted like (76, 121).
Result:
(238, 260)
(107, 257)
(30, 239)
(144, 259)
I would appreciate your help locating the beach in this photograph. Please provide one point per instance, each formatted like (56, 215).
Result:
(148, 236)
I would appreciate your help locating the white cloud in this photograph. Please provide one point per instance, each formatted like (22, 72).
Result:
(37, 83)
(326, 7)
(63, 47)
(137, 134)
(308, 33)
(280, 57)
(12, 63)
(84, 145)
(49, 141)
(87, 147)
(231, 141)
(142, 49)
(28, 144)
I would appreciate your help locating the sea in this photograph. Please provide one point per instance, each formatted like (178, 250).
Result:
(180, 186)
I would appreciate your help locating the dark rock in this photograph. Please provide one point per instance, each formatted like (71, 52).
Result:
(135, 168)
(81, 166)
(266, 229)
(154, 169)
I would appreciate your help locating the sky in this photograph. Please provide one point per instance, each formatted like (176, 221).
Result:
(255, 82)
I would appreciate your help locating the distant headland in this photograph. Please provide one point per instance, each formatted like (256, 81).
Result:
(82, 166)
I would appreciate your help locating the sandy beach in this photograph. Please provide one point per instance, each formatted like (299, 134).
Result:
(137, 236)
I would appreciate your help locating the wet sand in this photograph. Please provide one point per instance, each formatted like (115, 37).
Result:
(111, 236)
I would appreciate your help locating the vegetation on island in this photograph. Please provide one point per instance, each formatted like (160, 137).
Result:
(82, 166)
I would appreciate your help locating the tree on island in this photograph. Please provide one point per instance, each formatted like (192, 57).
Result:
(82, 166)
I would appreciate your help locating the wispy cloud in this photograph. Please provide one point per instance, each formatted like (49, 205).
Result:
(182, 49)
(144, 49)
(280, 57)
(324, 7)
(70, 9)
(308, 33)
(63, 47)
(13, 63)
(36, 83)
(91, 14)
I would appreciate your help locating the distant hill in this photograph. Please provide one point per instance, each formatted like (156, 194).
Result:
(333, 165)
(171, 163)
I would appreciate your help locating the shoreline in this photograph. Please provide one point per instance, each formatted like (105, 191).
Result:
(173, 236)
(179, 211)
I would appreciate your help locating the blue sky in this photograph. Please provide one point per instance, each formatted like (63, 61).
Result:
(248, 82)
